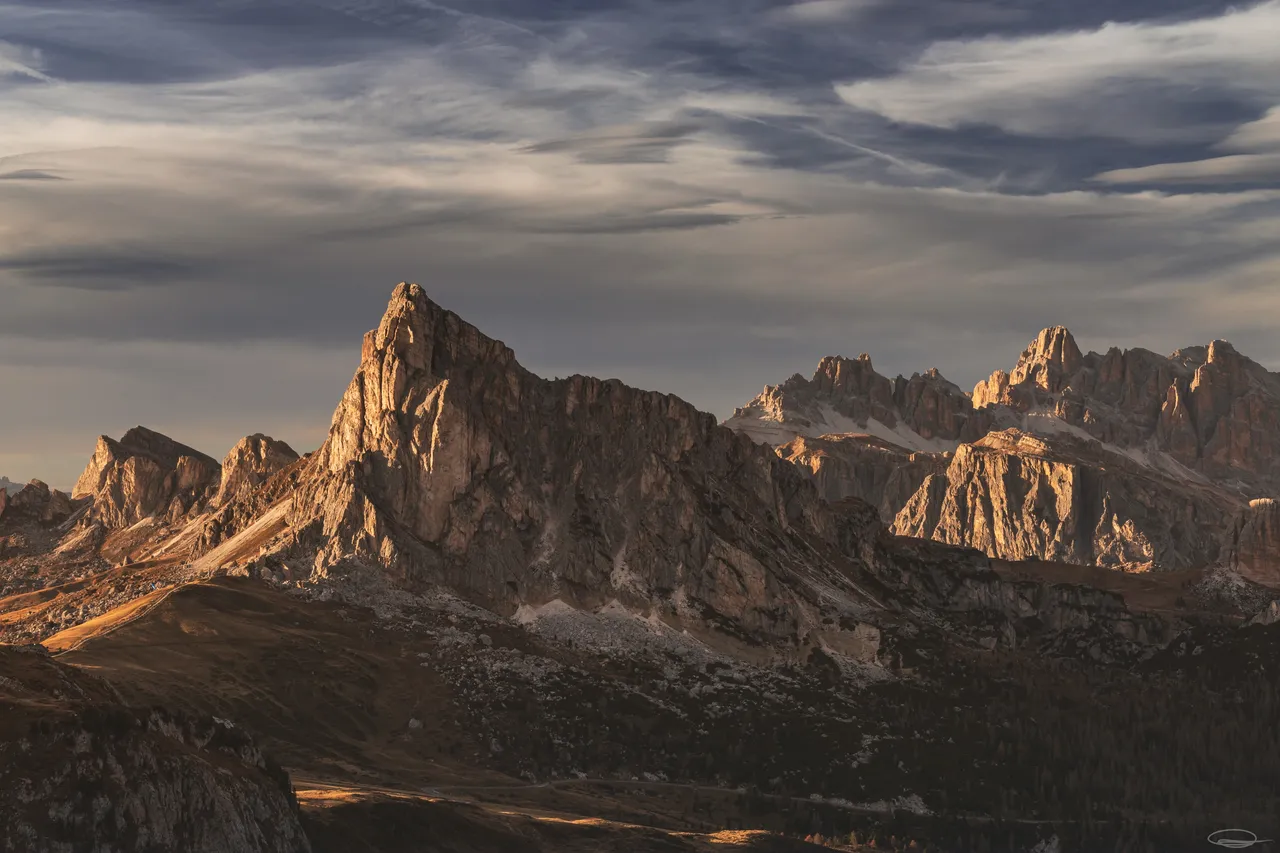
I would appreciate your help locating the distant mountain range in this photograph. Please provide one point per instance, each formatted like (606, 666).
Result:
(1126, 460)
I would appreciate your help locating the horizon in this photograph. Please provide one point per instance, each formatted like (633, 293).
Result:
(206, 205)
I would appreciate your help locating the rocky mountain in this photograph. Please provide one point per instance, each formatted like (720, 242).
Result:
(847, 396)
(1022, 497)
(145, 475)
(449, 463)
(36, 502)
(251, 463)
(1127, 459)
(1208, 409)
(8, 486)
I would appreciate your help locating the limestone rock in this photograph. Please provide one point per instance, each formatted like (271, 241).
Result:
(847, 396)
(880, 473)
(1017, 497)
(1208, 409)
(37, 502)
(144, 475)
(1252, 548)
(251, 463)
(449, 463)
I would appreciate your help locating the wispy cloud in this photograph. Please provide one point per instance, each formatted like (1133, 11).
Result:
(1131, 80)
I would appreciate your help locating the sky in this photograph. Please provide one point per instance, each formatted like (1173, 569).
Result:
(205, 203)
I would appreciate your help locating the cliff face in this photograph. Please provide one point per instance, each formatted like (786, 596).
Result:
(1252, 547)
(80, 771)
(1021, 497)
(1210, 409)
(447, 462)
(36, 502)
(251, 463)
(1122, 440)
(844, 466)
(143, 475)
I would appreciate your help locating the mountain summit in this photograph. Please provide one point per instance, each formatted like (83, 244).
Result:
(449, 463)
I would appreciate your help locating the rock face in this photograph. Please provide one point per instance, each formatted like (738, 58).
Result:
(1136, 433)
(1253, 545)
(925, 412)
(449, 463)
(38, 503)
(1209, 409)
(9, 487)
(845, 466)
(1020, 497)
(79, 771)
(144, 475)
(250, 464)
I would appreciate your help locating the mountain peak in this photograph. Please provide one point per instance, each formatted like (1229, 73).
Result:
(425, 336)
(1056, 345)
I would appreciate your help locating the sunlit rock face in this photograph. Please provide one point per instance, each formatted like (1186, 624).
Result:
(146, 475)
(1021, 497)
(251, 463)
(1127, 459)
(1209, 409)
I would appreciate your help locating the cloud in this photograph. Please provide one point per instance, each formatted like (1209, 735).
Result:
(1256, 136)
(30, 175)
(825, 11)
(1139, 81)
(1247, 169)
(18, 63)
(650, 142)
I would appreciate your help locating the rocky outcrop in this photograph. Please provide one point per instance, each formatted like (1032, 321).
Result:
(146, 475)
(36, 502)
(925, 412)
(1252, 548)
(449, 463)
(80, 771)
(1019, 497)
(251, 463)
(880, 473)
(7, 486)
